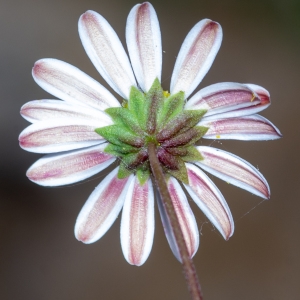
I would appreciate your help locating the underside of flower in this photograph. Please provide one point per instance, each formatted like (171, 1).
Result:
(88, 129)
(159, 118)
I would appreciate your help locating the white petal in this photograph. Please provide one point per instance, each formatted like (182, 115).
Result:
(144, 44)
(60, 135)
(102, 208)
(237, 113)
(45, 110)
(264, 97)
(233, 170)
(69, 167)
(247, 128)
(106, 52)
(222, 97)
(196, 56)
(230, 100)
(186, 219)
(210, 200)
(68, 83)
(137, 225)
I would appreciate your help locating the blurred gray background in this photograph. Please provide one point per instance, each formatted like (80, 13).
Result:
(39, 255)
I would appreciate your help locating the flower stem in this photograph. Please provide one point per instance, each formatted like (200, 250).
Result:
(187, 262)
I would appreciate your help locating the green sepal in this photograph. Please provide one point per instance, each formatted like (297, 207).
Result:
(192, 118)
(123, 117)
(118, 135)
(181, 123)
(143, 175)
(130, 162)
(180, 173)
(133, 160)
(187, 153)
(154, 103)
(137, 106)
(201, 130)
(124, 171)
(177, 151)
(192, 155)
(172, 106)
(168, 160)
(120, 151)
(186, 138)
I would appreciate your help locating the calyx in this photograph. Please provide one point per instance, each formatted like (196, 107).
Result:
(153, 117)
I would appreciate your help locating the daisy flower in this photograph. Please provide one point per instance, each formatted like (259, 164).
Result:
(88, 129)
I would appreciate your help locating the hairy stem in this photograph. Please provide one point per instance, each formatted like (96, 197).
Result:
(187, 262)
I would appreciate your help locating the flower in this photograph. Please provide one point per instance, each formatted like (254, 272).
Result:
(88, 130)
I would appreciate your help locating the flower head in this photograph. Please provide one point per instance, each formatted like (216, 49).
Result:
(89, 129)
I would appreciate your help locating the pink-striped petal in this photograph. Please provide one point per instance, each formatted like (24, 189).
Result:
(259, 93)
(106, 52)
(186, 219)
(57, 135)
(70, 167)
(196, 56)
(222, 97)
(247, 128)
(264, 97)
(144, 44)
(68, 83)
(45, 110)
(210, 200)
(102, 208)
(137, 225)
(233, 170)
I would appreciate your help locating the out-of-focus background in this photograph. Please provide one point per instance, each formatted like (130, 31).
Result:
(39, 255)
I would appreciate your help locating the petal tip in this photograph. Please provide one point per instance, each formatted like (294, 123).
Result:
(84, 238)
(23, 110)
(83, 235)
(145, 4)
(37, 67)
(135, 261)
(227, 238)
(29, 175)
(280, 135)
(213, 26)
(40, 67)
(230, 232)
(268, 196)
(88, 16)
(265, 98)
(22, 142)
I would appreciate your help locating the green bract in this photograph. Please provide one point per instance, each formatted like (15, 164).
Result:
(158, 118)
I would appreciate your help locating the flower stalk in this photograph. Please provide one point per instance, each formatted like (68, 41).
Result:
(187, 262)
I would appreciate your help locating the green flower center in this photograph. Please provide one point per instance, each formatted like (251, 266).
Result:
(153, 117)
